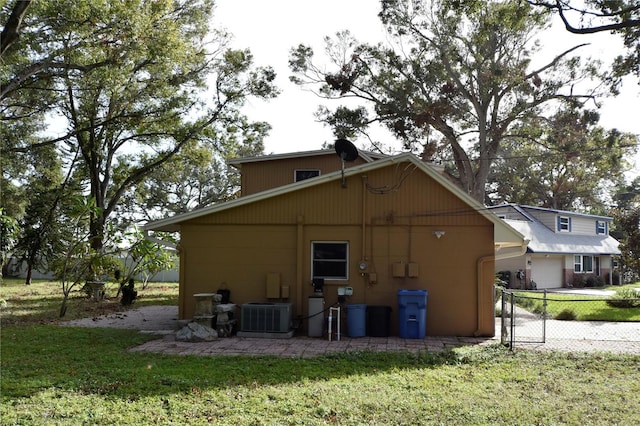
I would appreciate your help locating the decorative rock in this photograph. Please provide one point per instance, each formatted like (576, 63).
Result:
(194, 332)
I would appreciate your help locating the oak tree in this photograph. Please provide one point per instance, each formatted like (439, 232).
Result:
(127, 85)
(454, 79)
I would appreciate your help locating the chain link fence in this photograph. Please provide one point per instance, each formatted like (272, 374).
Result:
(570, 320)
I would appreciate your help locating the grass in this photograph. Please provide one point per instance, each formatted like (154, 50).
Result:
(40, 302)
(55, 375)
(578, 307)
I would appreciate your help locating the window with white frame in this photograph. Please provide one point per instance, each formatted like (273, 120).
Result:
(302, 174)
(564, 223)
(330, 260)
(583, 263)
(601, 227)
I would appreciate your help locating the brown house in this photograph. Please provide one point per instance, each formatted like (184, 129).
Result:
(380, 225)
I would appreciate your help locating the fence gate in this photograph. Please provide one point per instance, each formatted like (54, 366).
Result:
(520, 325)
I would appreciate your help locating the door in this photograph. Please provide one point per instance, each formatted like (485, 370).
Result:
(547, 272)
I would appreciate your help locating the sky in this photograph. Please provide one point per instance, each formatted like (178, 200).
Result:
(271, 28)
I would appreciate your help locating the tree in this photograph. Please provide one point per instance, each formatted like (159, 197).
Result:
(11, 30)
(143, 257)
(76, 262)
(628, 224)
(594, 16)
(567, 164)
(126, 78)
(9, 232)
(626, 215)
(196, 177)
(460, 77)
(45, 194)
(627, 195)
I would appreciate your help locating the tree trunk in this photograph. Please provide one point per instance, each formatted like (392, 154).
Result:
(63, 307)
(27, 280)
(96, 230)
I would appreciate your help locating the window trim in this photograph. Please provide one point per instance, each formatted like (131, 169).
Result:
(346, 260)
(295, 174)
(578, 263)
(564, 224)
(602, 227)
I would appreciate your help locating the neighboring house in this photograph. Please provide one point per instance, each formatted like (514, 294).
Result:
(566, 249)
(379, 226)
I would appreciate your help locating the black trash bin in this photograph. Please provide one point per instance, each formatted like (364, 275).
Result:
(378, 321)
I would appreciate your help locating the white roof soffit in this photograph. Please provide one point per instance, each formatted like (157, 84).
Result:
(504, 234)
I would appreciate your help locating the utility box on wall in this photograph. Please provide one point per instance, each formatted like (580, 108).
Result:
(398, 270)
(273, 285)
(412, 270)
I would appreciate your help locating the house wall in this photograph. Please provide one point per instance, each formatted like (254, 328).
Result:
(579, 225)
(541, 265)
(388, 217)
(583, 226)
(508, 212)
(262, 175)
(512, 265)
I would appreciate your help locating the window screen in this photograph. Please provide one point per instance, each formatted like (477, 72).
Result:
(302, 174)
(330, 260)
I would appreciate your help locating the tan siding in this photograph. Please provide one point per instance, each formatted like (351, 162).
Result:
(235, 249)
(391, 197)
(263, 175)
(583, 226)
(236, 258)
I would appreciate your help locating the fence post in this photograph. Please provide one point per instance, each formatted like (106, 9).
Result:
(503, 317)
(513, 322)
(544, 317)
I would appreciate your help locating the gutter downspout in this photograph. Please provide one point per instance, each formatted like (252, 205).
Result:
(300, 260)
(479, 270)
(364, 217)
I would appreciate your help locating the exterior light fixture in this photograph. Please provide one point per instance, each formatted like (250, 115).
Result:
(438, 234)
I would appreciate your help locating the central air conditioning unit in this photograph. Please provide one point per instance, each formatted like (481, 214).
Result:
(266, 317)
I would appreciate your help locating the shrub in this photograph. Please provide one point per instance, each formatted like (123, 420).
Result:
(566, 315)
(616, 277)
(625, 298)
(591, 281)
(578, 280)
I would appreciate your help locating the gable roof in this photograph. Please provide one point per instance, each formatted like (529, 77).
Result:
(524, 211)
(367, 156)
(543, 240)
(504, 235)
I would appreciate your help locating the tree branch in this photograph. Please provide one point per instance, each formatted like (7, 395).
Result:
(11, 31)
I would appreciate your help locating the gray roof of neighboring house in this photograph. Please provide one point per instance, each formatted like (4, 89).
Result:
(543, 240)
(524, 211)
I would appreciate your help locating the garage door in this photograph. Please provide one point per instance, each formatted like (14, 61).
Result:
(547, 272)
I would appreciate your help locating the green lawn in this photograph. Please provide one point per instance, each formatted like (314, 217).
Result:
(578, 307)
(55, 375)
(40, 302)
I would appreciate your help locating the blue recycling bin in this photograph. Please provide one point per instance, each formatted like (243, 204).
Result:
(356, 320)
(412, 313)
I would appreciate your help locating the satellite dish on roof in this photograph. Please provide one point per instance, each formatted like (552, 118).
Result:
(347, 152)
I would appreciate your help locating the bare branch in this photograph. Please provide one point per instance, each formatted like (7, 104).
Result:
(11, 31)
